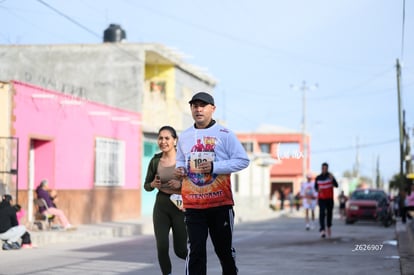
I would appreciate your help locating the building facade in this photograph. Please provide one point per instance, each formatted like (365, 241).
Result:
(285, 148)
(149, 79)
(89, 152)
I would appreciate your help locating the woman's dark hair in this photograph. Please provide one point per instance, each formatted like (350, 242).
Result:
(7, 197)
(170, 129)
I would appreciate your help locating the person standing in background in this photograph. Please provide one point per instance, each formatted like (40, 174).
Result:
(342, 203)
(324, 185)
(282, 197)
(207, 154)
(408, 206)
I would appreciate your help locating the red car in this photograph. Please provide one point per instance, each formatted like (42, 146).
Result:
(369, 204)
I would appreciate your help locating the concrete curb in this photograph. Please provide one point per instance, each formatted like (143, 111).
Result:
(405, 238)
(87, 232)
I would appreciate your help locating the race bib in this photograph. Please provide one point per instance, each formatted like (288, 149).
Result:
(196, 158)
(177, 201)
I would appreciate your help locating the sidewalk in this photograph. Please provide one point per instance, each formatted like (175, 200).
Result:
(405, 238)
(88, 232)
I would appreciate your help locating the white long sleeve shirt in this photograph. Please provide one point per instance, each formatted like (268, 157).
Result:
(217, 144)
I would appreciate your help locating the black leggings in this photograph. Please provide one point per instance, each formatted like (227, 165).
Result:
(325, 210)
(167, 216)
(26, 238)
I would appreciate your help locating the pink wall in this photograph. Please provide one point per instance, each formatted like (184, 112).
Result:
(65, 137)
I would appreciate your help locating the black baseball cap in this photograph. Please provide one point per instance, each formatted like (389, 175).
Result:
(202, 96)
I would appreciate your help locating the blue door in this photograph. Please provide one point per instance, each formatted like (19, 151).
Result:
(148, 198)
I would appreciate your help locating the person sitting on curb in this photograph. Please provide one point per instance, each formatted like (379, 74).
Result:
(10, 230)
(43, 193)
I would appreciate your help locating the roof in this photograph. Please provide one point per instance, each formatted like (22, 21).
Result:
(154, 54)
(161, 54)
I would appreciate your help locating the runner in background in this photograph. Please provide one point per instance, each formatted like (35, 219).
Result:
(309, 196)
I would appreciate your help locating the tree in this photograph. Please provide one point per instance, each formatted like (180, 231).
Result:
(397, 182)
(361, 180)
(347, 174)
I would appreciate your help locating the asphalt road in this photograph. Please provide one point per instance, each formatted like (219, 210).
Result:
(275, 246)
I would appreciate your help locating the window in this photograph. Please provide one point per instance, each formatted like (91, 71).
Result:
(158, 87)
(109, 162)
(265, 148)
(248, 146)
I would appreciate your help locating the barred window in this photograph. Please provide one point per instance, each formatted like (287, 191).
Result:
(109, 162)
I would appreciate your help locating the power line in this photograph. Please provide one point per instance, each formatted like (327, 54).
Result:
(356, 87)
(25, 20)
(231, 37)
(243, 40)
(348, 148)
(116, 45)
(264, 47)
(70, 19)
(198, 26)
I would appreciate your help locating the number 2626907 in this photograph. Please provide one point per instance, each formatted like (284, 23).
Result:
(367, 247)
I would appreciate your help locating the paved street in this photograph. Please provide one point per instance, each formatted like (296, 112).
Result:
(275, 246)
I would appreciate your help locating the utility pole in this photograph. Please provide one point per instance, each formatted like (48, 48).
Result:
(378, 174)
(304, 87)
(356, 166)
(400, 127)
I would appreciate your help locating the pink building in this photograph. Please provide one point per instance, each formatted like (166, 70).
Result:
(90, 153)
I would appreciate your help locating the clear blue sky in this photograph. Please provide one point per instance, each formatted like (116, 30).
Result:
(257, 50)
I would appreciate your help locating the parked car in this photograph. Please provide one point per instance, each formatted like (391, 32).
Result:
(369, 204)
